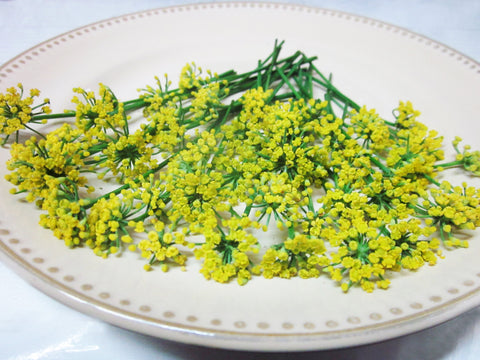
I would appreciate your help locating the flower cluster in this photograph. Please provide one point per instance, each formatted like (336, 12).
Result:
(248, 174)
(18, 112)
(48, 165)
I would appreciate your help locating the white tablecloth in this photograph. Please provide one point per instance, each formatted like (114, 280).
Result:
(35, 327)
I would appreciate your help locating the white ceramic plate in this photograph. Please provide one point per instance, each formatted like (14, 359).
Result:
(375, 63)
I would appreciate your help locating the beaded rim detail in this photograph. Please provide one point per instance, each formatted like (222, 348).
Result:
(68, 284)
(29, 55)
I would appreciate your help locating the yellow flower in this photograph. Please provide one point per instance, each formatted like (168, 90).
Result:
(16, 111)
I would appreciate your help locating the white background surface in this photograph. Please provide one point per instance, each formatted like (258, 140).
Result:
(25, 313)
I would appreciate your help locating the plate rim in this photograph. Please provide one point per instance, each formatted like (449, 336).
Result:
(254, 3)
(175, 332)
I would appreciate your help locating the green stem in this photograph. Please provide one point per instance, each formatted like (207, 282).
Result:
(385, 169)
(432, 180)
(449, 164)
(66, 114)
(337, 93)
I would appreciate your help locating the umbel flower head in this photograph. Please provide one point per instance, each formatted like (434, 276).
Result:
(469, 160)
(18, 111)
